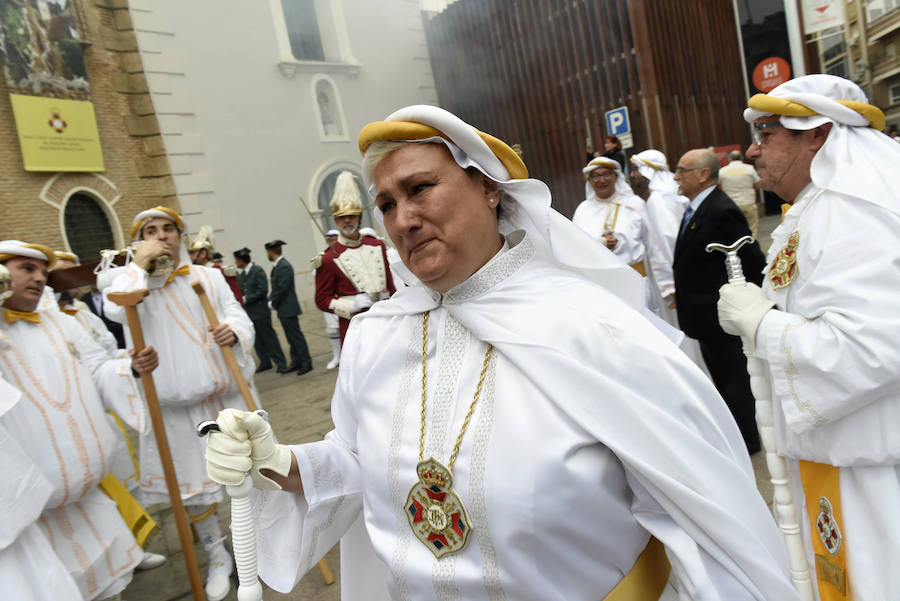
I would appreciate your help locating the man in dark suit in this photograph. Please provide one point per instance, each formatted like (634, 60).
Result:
(254, 288)
(283, 299)
(713, 217)
(94, 301)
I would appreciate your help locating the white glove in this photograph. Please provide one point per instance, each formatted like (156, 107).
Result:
(741, 308)
(245, 443)
(361, 301)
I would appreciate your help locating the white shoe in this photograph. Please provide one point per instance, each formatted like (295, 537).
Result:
(333, 363)
(218, 579)
(151, 560)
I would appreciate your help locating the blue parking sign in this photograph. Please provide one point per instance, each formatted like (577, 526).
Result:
(617, 121)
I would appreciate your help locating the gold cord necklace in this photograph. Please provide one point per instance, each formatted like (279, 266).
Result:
(435, 512)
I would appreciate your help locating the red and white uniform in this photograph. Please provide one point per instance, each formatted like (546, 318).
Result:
(350, 267)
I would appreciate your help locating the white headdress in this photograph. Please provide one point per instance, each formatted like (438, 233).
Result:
(856, 159)
(623, 188)
(17, 248)
(525, 202)
(653, 166)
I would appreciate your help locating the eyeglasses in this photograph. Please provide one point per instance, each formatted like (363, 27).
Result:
(597, 175)
(758, 138)
(681, 169)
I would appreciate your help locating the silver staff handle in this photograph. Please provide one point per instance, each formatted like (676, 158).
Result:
(243, 529)
(785, 508)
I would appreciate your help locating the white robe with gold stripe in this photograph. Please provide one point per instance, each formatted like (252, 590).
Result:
(832, 351)
(192, 381)
(67, 381)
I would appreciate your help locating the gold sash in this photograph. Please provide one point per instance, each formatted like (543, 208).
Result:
(822, 489)
(137, 518)
(640, 268)
(647, 578)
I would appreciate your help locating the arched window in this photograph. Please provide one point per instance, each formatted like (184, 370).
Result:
(87, 227)
(323, 198)
(302, 24)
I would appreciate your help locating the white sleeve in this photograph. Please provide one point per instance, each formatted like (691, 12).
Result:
(229, 311)
(662, 229)
(835, 351)
(629, 231)
(295, 531)
(123, 279)
(25, 492)
(697, 574)
(113, 378)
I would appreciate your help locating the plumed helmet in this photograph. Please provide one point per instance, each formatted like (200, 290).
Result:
(204, 240)
(346, 198)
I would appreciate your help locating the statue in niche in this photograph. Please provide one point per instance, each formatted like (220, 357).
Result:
(328, 111)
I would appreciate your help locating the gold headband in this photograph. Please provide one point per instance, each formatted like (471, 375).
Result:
(137, 226)
(788, 108)
(653, 166)
(46, 250)
(378, 131)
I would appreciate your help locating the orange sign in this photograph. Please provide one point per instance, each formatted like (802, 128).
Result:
(771, 72)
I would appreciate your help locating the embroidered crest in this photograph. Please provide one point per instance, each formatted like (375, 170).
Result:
(74, 351)
(784, 267)
(436, 515)
(827, 527)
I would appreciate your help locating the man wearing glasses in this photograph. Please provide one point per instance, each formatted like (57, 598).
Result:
(612, 213)
(825, 322)
(713, 217)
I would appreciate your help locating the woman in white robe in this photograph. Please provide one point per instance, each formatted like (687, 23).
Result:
(591, 436)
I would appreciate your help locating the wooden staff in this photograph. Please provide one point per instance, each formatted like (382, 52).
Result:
(227, 351)
(130, 300)
(231, 362)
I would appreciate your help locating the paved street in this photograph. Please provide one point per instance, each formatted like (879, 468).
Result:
(299, 412)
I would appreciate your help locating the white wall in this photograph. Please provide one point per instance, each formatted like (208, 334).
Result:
(238, 117)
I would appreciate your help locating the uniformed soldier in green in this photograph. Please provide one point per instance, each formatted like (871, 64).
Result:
(255, 287)
(283, 299)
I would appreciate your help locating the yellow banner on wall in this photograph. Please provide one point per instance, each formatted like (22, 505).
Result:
(57, 134)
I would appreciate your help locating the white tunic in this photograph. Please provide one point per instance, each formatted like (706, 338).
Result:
(565, 470)
(622, 214)
(833, 357)
(125, 465)
(29, 568)
(192, 381)
(664, 213)
(61, 424)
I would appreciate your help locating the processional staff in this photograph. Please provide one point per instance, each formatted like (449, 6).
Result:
(130, 300)
(785, 509)
(243, 535)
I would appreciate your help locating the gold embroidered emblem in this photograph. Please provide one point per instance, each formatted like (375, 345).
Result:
(784, 267)
(436, 515)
